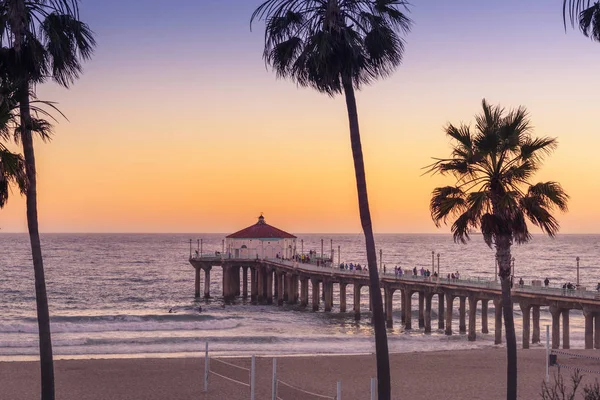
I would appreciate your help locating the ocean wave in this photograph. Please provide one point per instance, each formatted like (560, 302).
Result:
(125, 323)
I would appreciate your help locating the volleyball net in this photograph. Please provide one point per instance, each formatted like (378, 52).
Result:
(562, 359)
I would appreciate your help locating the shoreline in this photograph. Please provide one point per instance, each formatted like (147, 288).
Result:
(449, 374)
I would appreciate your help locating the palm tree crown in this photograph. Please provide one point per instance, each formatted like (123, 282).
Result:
(55, 41)
(492, 165)
(318, 43)
(584, 13)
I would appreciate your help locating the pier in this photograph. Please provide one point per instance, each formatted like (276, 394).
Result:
(277, 281)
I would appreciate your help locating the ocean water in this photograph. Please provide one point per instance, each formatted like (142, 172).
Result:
(110, 296)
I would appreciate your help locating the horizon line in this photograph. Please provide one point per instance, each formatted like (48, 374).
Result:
(296, 234)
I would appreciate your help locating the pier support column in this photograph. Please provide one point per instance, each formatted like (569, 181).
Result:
(197, 283)
(597, 331)
(328, 290)
(245, 282)
(276, 283)
(236, 276)
(228, 290)
(279, 279)
(315, 294)
(389, 294)
(566, 342)
(295, 280)
(498, 321)
(343, 297)
(303, 291)
(535, 337)
(270, 286)
(472, 318)
(421, 310)
(402, 304)
(253, 285)
(260, 298)
(356, 301)
(408, 309)
(462, 321)
(526, 310)
(484, 316)
(207, 282)
(449, 301)
(285, 286)
(589, 329)
(440, 311)
(428, 297)
(555, 312)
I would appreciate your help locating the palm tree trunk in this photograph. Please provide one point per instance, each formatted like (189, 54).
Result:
(503, 253)
(46, 362)
(381, 344)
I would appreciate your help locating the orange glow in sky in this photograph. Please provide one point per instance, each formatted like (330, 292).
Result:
(190, 132)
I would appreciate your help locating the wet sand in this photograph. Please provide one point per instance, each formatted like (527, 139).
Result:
(468, 374)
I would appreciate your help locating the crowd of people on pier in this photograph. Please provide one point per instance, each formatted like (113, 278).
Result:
(353, 267)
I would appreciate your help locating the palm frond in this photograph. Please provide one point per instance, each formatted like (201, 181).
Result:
(539, 215)
(585, 15)
(537, 148)
(68, 43)
(549, 195)
(446, 201)
(12, 170)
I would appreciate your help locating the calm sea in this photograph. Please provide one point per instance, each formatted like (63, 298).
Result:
(110, 296)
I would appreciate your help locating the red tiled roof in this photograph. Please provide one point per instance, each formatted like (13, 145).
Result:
(261, 230)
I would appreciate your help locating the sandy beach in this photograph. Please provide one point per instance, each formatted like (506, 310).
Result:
(469, 374)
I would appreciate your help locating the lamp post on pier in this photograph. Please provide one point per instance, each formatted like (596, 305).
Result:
(301, 246)
(577, 270)
(380, 260)
(321, 250)
(190, 248)
(439, 264)
(433, 261)
(513, 266)
(339, 253)
(201, 240)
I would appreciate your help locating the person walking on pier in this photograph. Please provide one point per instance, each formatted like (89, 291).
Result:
(546, 282)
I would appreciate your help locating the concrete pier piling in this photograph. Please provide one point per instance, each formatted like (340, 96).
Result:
(462, 319)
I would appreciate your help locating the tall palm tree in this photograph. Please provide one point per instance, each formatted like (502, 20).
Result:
(492, 165)
(46, 41)
(335, 47)
(586, 14)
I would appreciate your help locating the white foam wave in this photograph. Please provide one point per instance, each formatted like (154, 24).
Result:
(133, 326)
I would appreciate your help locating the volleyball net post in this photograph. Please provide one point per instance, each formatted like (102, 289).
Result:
(206, 368)
(547, 353)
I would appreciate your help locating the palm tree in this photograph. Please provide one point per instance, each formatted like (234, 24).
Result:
(493, 164)
(45, 40)
(335, 47)
(584, 13)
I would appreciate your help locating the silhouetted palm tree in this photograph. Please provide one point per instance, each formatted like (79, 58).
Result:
(493, 164)
(585, 14)
(45, 40)
(335, 47)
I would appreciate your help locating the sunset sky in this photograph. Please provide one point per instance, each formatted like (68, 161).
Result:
(177, 126)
